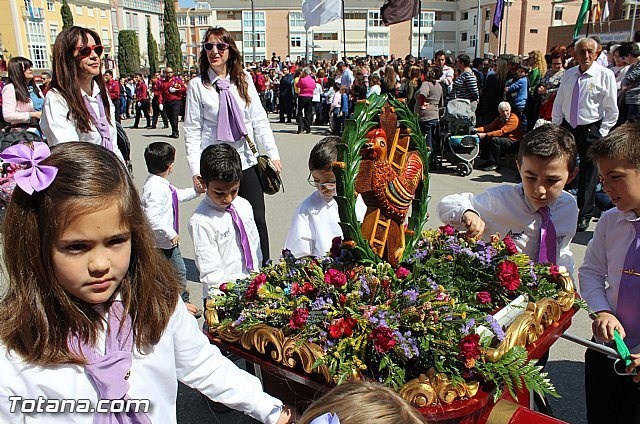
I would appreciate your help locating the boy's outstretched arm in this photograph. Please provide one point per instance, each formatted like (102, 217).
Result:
(459, 211)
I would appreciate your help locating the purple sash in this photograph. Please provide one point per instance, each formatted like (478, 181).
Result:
(101, 123)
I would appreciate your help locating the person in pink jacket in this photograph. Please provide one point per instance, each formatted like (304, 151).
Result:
(21, 98)
(306, 84)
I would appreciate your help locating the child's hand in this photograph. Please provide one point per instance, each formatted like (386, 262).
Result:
(473, 223)
(635, 365)
(604, 325)
(288, 415)
(175, 241)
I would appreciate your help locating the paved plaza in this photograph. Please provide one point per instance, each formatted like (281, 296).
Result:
(566, 361)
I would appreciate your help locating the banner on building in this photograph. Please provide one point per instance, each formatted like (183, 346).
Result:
(497, 17)
(318, 12)
(396, 11)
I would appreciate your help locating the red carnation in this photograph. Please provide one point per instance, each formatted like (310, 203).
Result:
(509, 245)
(223, 287)
(470, 346)
(296, 289)
(298, 318)
(554, 270)
(342, 327)
(308, 288)
(483, 297)
(343, 299)
(383, 339)
(448, 230)
(402, 273)
(255, 285)
(508, 275)
(335, 278)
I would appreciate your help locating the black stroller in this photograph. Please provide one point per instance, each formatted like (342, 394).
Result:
(458, 143)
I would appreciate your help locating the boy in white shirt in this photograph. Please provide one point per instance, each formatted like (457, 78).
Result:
(610, 279)
(546, 163)
(160, 204)
(316, 220)
(224, 233)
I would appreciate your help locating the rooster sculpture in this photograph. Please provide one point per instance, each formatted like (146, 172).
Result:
(388, 190)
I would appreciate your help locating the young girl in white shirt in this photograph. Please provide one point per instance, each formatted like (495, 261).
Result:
(92, 317)
(316, 220)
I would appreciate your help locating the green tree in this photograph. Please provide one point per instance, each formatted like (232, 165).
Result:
(67, 17)
(128, 52)
(152, 50)
(172, 45)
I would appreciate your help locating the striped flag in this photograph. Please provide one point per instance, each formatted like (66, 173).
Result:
(597, 12)
(584, 10)
(497, 17)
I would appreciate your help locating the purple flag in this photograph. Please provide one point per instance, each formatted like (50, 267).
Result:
(497, 17)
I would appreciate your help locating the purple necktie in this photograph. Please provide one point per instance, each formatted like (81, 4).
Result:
(629, 293)
(110, 371)
(176, 211)
(101, 123)
(575, 102)
(247, 257)
(548, 238)
(230, 120)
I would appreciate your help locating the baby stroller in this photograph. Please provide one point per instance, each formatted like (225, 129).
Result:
(458, 143)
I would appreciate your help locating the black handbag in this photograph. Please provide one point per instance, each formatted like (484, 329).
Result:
(267, 173)
(14, 134)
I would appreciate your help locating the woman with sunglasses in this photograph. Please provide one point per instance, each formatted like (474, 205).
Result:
(21, 99)
(78, 107)
(223, 106)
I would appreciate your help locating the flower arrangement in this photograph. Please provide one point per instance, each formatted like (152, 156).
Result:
(393, 325)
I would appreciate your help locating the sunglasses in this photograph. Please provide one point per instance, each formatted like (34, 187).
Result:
(219, 46)
(86, 50)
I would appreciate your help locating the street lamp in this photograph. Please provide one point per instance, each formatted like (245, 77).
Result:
(253, 30)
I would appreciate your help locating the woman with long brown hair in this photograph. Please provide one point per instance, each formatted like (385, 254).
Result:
(78, 107)
(21, 98)
(223, 106)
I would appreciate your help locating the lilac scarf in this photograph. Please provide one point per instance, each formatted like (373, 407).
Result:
(230, 121)
(110, 372)
(101, 123)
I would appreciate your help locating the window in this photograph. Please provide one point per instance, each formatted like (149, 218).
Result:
(37, 41)
(296, 19)
(535, 7)
(472, 40)
(203, 20)
(259, 20)
(487, 14)
(51, 6)
(296, 41)
(445, 16)
(105, 37)
(103, 13)
(78, 10)
(374, 19)
(463, 36)
(53, 32)
(259, 38)
(325, 36)
(486, 38)
(427, 20)
(465, 16)
(475, 19)
(134, 23)
(90, 11)
(557, 14)
(203, 31)
(192, 21)
(379, 39)
(533, 30)
(355, 15)
(182, 20)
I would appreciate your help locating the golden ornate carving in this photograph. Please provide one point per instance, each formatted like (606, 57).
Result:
(435, 388)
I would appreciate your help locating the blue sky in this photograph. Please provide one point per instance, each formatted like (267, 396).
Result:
(187, 3)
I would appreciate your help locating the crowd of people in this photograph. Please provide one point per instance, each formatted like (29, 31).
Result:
(108, 305)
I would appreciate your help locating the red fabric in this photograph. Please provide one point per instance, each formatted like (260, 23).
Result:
(259, 82)
(156, 89)
(113, 88)
(175, 82)
(141, 92)
(547, 108)
(306, 85)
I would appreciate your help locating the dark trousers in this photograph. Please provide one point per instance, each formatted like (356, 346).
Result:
(585, 135)
(304, 105)
(251, 190)
(116, 108)
(175, 257)
(143, 108)
(155, 106)
(494, 146)
(428, 129)
(173, 111)
(286, 108)
(611, 398)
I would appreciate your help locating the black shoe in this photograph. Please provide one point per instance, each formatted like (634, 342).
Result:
(298, 132)
(152, 128)
(149, 127)
(280, 122)
(134, 127)
(489, 167)
(583, 224)
(289, 121)
(164, 127)
(308, 131)
(174, 136)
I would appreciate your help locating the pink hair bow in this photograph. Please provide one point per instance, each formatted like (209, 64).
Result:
(34, 177)
(326, 419)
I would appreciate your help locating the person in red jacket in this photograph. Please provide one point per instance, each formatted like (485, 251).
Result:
(142, 101)
(113, 87)
(261, 84)
(173, 90)
(156, 102)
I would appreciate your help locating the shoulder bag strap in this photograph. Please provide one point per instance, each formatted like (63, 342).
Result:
(251, 145)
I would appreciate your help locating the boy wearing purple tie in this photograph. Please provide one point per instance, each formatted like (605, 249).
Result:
(224, 233)
(537, 214)
(160, 204)
(610, 279)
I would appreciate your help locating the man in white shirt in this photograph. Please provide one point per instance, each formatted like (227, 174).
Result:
(346, 76)
(586, 106)
(440, 60)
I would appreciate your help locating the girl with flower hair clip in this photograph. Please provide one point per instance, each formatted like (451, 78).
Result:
(361, 402)
(93, 313)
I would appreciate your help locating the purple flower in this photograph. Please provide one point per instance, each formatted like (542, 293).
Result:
(466, 329)
(495, 327)
(411, 294)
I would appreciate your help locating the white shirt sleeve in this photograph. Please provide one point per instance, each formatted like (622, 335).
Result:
(154, 204)
(186, 194)
(592, 275)
(299, 239)
(54, 122)
(193, 121)
(609, 104)
(451, 209)
(207, 255)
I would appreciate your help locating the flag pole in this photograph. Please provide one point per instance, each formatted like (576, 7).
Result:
(344, 33)
(506, 29)
(589, 21)
(633, 21)
(419, 23)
